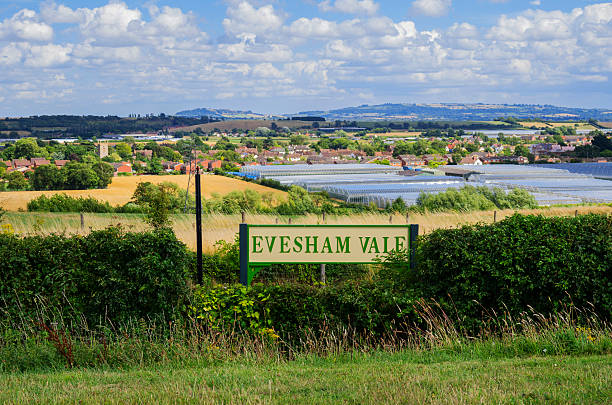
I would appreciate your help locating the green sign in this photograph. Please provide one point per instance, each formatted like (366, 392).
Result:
(262, 245)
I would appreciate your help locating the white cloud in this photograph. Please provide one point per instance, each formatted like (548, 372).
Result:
(25, 25)
(47, 55)
(244, 18)
(10, 55)
(140, 55)
(535, 2)
(368, 7)
(432, 8)
(58, 13)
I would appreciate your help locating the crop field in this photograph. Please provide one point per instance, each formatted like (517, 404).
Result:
(225, 227)
(543, 125)
(121, 189)
(397, 134)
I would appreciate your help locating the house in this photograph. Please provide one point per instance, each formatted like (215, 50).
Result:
(191, 166)
(171, 166)
(146, 153)
(293, 157)
(279, 150)
(215, 164)
(122, 167)
(411, 160)
(61, 163)
(36, 162)
(243, 151)
(521, 160)
(318, 160)
(21, 163)
(435, 159)
(471, 160)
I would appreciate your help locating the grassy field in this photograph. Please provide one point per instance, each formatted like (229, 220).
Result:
(224, 227)
(402, 377)
(121, 189)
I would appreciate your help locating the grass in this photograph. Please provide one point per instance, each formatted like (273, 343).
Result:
(367, 378)
(224, 227)
(122, 188)
(529, 358)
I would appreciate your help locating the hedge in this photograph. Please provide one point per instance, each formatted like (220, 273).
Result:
(106, 275)
(520, 262)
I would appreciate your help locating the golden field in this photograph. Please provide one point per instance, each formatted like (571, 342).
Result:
(121, 189)
(397, 134)
(542, 125)
(224, 227)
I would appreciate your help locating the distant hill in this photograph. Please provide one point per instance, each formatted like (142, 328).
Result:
(223, 114)
(420, 112)
(461, 112)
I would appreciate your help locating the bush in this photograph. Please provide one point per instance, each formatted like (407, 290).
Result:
(294, 311)
(522, 261)
(470, 198)
(64, 203)
(106, 274)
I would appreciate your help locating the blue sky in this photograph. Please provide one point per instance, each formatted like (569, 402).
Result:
(122, 57)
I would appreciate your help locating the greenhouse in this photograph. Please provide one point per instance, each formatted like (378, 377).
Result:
(329, 169)
(381, 185)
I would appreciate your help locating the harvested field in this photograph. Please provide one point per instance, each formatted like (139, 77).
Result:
(121, 189)
(398, 134)
(528, 124)
(224, 227)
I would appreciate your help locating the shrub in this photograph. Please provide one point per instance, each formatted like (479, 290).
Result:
(64, 203)
(470, 198)
(106, 274)
(522, 261)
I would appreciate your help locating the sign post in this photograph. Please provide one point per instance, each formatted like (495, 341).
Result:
(198, 192)
(262, 245)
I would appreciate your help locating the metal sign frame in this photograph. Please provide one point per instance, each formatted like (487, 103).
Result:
(248, 270)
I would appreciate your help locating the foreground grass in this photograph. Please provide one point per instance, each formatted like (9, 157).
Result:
(403, 377)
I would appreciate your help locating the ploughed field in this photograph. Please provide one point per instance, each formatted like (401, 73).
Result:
(225, 227)
(122, 188)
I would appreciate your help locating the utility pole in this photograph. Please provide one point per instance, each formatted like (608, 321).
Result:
(198, 192)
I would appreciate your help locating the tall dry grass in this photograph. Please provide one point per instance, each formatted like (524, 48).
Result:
(225, 227)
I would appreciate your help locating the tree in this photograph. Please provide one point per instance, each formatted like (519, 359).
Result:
(80, 176)
(158, 201)
(105, 173)
(48, 177)
(521, 150)
(398, 205)
(27, 148)
(601, 141)
(16, 181)
(124, 150)
(298, 140)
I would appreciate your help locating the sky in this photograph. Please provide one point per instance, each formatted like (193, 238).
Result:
(279, 56)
